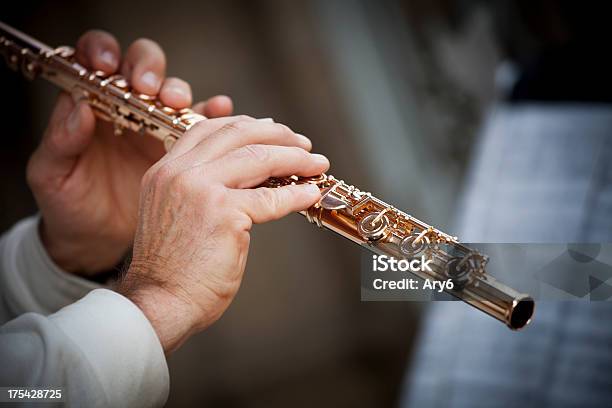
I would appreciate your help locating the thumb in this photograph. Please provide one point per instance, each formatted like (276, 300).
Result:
(70, 131)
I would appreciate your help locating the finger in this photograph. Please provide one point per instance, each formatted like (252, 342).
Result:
(200, 131)
(237, 134)
(145, 66)
(175, 93)
(99, 50)
(215, 107)
(69, 133)
(251, 165)
(268, 204)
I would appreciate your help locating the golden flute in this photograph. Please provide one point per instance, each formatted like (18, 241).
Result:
(343, 209)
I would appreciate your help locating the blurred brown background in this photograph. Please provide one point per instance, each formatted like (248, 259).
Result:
(390, 91)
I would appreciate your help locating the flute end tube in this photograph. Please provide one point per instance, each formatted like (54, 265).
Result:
(521, 313)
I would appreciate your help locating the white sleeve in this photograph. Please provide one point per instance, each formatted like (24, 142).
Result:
(101, 349)
(29, 280)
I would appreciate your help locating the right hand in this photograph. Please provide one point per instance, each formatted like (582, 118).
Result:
(197, 206)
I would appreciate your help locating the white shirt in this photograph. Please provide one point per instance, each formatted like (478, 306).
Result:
(101, 349)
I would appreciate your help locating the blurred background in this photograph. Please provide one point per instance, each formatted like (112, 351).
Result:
(392, 91)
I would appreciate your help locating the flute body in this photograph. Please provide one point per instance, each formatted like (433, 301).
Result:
(343, 209)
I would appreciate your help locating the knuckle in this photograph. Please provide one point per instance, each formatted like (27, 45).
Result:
(268, 198)
(298, 153)
(256, 153)
(284, 129)
(157, 176)
(202, 127)
(237, 126)
(244, 118)
(182, 182)
(164, 172)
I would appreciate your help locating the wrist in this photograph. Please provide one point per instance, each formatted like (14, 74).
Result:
(79, 256)
(63, 254)
(172, 317)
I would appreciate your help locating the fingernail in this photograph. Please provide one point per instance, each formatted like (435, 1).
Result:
(312, 189)
(266, 120)
(109, 59)
(74, 119)
(150, 79)
(320, 158)
(304, 139)
(178, 90)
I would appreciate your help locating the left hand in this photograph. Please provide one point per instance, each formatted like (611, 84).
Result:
(86, 180)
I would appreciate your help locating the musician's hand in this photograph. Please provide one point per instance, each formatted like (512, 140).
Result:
(86, 179)
(197, 207)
